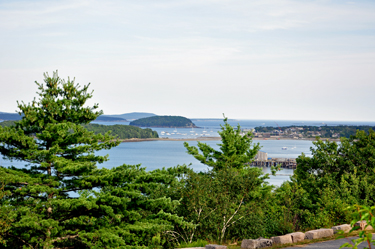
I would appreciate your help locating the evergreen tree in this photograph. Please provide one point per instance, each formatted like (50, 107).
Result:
(60, 199)
(217, 200)
(235, 149)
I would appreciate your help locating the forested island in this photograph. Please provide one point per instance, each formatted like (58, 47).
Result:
(122, 131)
(311, 131)
(164, 121)
(119, 131)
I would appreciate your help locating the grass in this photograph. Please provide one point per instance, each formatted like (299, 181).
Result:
(198, 243)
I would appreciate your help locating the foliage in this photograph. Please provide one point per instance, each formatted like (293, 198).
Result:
(163, 121)
(7, 123)
(61, 199)
(348, 167)
(218, 200)
(363, 214)
(198, 243)
(335, 176)
(5, 221)
(118, 131)
(235, 149)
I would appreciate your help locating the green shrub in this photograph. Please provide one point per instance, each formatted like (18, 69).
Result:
(198, 243)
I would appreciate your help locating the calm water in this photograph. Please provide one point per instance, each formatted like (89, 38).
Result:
(210, 127)
(158, 154)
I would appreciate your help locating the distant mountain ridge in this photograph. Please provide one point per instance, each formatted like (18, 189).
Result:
(9, 116)
(104, 118)
(109, 118)
(131, 115)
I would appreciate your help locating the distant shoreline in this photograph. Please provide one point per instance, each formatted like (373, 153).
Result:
(214, 139)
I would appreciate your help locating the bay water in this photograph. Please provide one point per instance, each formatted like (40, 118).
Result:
(163, 153)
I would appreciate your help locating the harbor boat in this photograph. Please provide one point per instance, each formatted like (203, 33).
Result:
(175, 130)
(192, 130)
(284, 148)
(162, 133)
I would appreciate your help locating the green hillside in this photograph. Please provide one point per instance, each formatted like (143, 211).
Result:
(123, 131)
(164, 121)
(120, 131)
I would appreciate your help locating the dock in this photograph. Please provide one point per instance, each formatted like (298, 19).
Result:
(287, 163)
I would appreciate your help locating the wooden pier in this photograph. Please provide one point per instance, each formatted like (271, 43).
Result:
(287, 163)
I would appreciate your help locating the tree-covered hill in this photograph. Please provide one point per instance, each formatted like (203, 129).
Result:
(122, 131)
(164, 121)
(119, 131)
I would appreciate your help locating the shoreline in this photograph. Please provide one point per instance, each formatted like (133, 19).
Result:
(215, 139)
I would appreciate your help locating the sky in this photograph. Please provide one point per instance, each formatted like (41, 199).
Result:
(258, 59)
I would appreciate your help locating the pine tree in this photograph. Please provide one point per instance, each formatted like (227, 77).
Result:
(235, 149)
(229, 191)
(61, 199)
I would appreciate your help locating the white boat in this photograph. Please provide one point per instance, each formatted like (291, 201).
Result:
(175, 129)
(192, 130)
(284, 148)
(162, 133)
(168, 133)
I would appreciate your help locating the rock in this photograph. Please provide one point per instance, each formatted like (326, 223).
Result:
(191, 248)
(255, 243)
(362, 224)
(249, 244)
(325, 232)
(285, 239)
(313, 234)
(264, 243)
(210, 246)
(319, 233)
(297, 237)
(345, 227)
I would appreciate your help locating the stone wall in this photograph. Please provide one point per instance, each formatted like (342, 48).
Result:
(292, 237)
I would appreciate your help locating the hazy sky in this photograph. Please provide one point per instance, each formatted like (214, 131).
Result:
(266, 59)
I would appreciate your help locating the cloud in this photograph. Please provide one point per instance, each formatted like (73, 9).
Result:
(215, 53)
